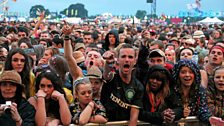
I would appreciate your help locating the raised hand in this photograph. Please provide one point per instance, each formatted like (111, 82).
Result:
(67, 30)
(109, 57)
(42, 15)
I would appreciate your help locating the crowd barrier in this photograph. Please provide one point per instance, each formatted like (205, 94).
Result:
(189, 121)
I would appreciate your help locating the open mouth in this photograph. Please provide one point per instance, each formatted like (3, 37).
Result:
(221, 84)
(187, 79)
(214, 59)
(126, 66)
(91, 63)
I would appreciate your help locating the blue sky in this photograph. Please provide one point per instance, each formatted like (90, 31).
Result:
(116, 7)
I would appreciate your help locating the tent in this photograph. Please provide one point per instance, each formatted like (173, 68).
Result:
(217, 21)
(209, 20)
(206, 20)
(73, 20)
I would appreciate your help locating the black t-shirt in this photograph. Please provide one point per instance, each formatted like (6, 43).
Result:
(118, 97)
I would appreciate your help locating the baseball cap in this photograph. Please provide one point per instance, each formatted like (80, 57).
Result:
(156, 53)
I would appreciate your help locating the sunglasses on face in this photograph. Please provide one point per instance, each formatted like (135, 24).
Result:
(187, 44)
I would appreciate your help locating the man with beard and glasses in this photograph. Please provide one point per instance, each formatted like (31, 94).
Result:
(122, 93)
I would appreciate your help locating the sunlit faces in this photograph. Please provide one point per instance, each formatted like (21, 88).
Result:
(84, 93)
(215, 56)
(112, 39)
(18, 62)
(219, 79)
(186, 76)
(23, 45)
(170, 55)
(93, 58)
(47, 54)
(126, 61)
(47, 86)
(186, 54)
(8, 89)
(96, 85)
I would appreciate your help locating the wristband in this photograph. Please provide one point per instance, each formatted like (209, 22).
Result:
(67, 37)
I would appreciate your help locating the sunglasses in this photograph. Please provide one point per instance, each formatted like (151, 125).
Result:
(187, 44)
(83, 80)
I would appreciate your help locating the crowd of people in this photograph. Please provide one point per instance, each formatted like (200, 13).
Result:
(60, 74)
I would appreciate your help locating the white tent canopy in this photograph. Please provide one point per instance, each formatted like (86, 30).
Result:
(73, 20)
(206, 20)
(216, 20)
(209, 20)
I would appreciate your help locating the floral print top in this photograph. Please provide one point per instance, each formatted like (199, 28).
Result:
(76, 110)
(215, 101)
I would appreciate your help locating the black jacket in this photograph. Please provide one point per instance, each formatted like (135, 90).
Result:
(172, 102)
(26, 111)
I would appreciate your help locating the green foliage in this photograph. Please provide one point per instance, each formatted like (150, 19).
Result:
(140, 14)
(35, 10)
(75, 10)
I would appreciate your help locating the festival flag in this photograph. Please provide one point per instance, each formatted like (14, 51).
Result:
(163, 17)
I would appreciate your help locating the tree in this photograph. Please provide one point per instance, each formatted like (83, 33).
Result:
(75, 10)
(35, 10)
(140, 14)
